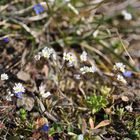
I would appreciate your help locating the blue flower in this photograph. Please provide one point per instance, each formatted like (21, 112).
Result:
(38, 8)
(6, 39)
(45, 128)
(127, 74)
(19, 95)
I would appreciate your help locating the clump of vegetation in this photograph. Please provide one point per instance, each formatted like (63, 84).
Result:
(96, 102)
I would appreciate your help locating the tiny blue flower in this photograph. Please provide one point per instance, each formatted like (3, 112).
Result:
(45, 127)
(38, 8)
(19, 95)
(6, 39)
(127, 74)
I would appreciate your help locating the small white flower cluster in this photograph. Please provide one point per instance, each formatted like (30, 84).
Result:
(43, 93)
(9, 96)
(70, 58)
(121, 79)
(4, 77)
(87, 69)
(127, 16)
(83, 56)
(119, 66)
(18, 88)
(46, 53)
(129, 108)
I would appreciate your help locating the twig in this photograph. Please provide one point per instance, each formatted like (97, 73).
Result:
(125, 48)
(33, 33)
(34, 18)
(106, 45)
(51, 117)
(23, 11)
(96, 51)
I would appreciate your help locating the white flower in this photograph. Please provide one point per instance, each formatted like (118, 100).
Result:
(119, 66)
(66, 56)
(121, 79)
(43, 93)
(70, 57)
(18, 88)
(84, 69)
(92, 69)
(8, 96)
(129, 108)
(87, 69)
(83, 56)
(127, 16)
(47, 52)
(4, 76)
